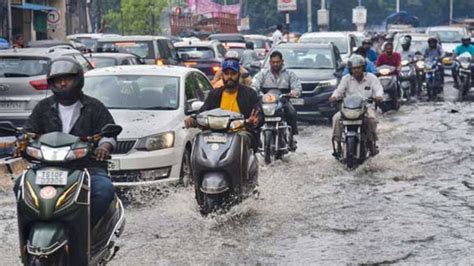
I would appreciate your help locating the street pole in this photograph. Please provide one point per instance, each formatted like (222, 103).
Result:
(287, 16)
(9, 10)
(310, 17)
(398, 6)
(450, 12)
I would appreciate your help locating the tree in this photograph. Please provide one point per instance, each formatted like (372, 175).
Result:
(137, 17)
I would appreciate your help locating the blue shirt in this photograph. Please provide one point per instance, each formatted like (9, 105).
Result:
(460, 49)
(372, 55)
(369, 68)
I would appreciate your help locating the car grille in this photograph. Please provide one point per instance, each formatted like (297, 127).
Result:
(124, 146)
(308, 88)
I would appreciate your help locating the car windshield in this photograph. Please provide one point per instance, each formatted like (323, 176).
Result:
(339, 42)
(13, 67)
(143, 49)
(88, 42)
(197, 52)
(134, 92)
(448, 36)
(258, 44)
(305, 57)
(100, 62)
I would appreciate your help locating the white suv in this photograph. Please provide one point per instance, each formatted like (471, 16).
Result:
(345, 42)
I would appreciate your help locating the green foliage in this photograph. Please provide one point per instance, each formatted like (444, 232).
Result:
(137, 17)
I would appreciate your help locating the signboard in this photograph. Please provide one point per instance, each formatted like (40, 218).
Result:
(359, 15)
(323, 18)
(245, 23)
(53, 17)
(286, 5)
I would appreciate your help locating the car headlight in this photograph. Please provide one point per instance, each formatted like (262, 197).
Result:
(420, 64)
(156, 142)
(77, 154)
(54, 154)
(327, 83)
(351, 113)
(218, 123)
(269, 109)
(34, 153)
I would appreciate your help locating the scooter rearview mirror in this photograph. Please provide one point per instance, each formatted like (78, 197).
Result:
(7, 129)
(111, 130)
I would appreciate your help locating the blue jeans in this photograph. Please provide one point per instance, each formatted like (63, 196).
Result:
(102, 193)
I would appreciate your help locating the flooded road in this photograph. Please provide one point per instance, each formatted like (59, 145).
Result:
(412, 203)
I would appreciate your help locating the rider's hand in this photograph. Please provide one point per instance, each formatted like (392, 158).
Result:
(102, 152)
(253, 119)
(333, 99)
(378, 99)
(189, 122)
(16, 152)
(293, 94)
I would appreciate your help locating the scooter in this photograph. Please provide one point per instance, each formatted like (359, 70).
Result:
(433, 78)
(464, 62)
(53, 201)
(354, 148)
(408, 78)
(276, 134)
(225, 168)
(392, 93)
(420, 73)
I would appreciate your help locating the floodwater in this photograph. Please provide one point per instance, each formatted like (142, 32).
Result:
(412, 203)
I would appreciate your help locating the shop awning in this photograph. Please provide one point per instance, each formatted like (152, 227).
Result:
(34, 7)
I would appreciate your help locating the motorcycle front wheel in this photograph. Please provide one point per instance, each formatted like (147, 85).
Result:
(59, 258)
(269, 146)
(212, 203)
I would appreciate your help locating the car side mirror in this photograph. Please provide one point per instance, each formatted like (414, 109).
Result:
(338, 74)
(7, 129)
(196, 106)
(111, 130)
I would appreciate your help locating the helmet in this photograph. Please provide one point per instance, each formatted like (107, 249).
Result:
(356, 61)
(433, 39)
(367, 41)
(232, 55)
(66, 67)
(466, 38)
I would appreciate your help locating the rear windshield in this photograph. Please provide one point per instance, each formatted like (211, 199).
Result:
(99, 62)
(13, 67)
(258, 44)
(196, 52)
(143, 49)
(88, 42)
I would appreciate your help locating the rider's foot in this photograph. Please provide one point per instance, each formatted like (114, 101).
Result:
(293, 145)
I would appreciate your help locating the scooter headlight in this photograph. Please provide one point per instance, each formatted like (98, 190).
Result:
(269, 98)
(466, 65)
(405, 62)
(384, 72)
(447, 61)
(55, 154)
(77, 154)
(218, 123)
(269, 109)
(351, 113)
(420, 65)
(34, 153)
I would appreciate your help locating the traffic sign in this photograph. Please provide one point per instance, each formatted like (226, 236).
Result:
(286, 5)
(53, 17)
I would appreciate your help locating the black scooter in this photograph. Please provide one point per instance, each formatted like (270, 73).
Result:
(391, 90)
(53, 201)
(225, 169)
(465, 75)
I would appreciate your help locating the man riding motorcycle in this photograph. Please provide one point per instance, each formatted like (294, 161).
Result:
(365, 85)
(434, 50)
(464, 47)
(70, 111)
(369, 66)
(244, 79)
(278, 77)
(370, 51)
(389, 57)
(406, 51)
(235, 97)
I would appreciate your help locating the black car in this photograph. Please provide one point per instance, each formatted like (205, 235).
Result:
(206, 56)
(100, 60)
(319, 67)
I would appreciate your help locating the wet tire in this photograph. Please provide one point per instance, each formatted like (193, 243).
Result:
(212, 203)
(269, 147)
(185, 176)
(351, 152)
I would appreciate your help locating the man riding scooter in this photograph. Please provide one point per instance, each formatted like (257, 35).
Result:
(362, 84)
(466, 46)
(244, 78)
(434, 50)
(278, 77)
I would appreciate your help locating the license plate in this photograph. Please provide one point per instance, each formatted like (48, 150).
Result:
(297, 101)
(114, 165)
(215, 139)
(272, 119)
(12, 105)
(350, 122)
(51, 177)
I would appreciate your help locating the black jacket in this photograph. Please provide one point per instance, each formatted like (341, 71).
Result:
(247, 99)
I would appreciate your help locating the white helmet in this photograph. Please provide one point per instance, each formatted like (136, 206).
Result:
(355, 61)
(232, 55)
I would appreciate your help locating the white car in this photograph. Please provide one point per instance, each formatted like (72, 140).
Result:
(345, 42)
(150, 103)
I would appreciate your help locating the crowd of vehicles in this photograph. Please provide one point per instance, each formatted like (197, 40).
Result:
(151, 84)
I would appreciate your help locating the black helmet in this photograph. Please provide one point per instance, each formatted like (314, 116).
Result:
(66, 67)
(433, 39)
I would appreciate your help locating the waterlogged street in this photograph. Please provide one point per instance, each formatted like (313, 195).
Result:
(412, 203)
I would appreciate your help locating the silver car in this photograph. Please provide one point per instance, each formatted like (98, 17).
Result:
(23, 79)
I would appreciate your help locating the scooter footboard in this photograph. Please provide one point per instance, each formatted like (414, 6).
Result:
(46, 238)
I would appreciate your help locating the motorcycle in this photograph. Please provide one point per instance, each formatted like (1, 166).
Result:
(392, 93)
(420, 73)
(354, 148)
(408, 78)
(276, 134)
(433, 78)
(464, 62)
(53, 201)
(225, 168)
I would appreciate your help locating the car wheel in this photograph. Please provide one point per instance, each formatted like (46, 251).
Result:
(185, 177)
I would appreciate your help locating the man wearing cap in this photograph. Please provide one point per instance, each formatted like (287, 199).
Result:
(235, 97)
